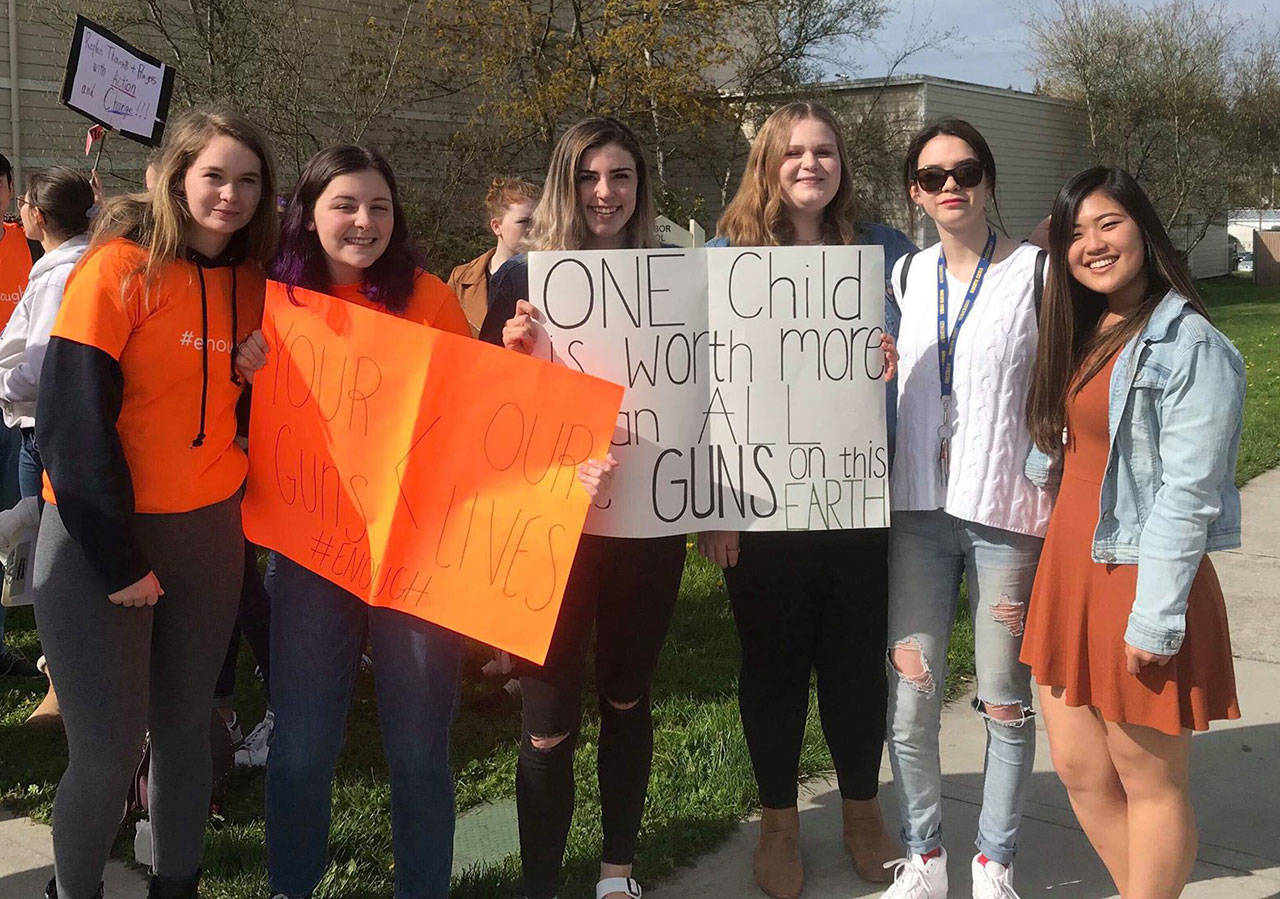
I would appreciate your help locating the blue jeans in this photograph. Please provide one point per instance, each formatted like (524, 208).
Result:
(12, 443)
(30, 465)
(318, 633)
(928, 552)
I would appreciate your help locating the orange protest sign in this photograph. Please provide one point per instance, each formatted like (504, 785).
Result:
(421, 470)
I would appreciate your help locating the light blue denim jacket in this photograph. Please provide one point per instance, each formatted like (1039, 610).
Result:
(1169, 493)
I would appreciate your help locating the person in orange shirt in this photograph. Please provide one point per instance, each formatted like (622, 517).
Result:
(139, 561)
(344, 234)
(509, 204)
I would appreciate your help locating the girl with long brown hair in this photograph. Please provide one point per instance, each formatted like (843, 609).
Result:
(1136, 410)
(140, 557)
(597, 197)
(806, 601)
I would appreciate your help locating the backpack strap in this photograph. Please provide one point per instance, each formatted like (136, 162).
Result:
(1041, 258)
(902, 275)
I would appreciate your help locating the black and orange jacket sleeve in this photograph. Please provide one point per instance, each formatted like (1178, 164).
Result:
(80, 446)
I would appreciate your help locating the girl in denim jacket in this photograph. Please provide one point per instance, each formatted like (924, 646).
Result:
(1135, 409)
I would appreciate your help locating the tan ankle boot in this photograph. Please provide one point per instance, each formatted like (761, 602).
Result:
(866, 840)
(47, 713)
(776, 863)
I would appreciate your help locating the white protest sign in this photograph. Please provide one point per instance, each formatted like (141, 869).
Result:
(116, 84)
(754, 382)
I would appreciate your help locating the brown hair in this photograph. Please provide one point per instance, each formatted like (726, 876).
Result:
(557, 221)
(157, 219)
(1071, 351)
(756, 215)
(504, 193)
(64, 197)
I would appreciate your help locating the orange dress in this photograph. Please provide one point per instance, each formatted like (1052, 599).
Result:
(1079, 608)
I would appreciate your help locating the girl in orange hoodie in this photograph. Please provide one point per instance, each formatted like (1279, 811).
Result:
(140, 556)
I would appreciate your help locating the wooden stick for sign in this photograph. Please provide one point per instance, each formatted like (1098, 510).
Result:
(98, 157)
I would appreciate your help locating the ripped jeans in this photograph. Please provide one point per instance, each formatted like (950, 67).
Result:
(928, 552)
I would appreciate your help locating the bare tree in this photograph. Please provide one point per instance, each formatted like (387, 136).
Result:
(1155, 87)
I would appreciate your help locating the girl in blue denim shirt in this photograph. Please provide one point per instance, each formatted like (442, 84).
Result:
(1136, 413)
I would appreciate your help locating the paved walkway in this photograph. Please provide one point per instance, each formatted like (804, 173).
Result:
(1236, 776)
(1236, 771)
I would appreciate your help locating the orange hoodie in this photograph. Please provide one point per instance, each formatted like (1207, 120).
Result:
(145, 396)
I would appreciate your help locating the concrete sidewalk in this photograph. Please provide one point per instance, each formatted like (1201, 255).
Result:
(1236, 783)
(1235, 771)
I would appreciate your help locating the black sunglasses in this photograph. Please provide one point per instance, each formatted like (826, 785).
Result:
(932, 178)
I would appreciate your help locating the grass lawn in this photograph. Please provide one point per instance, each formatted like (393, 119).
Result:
(702, 783)
(1250, 316)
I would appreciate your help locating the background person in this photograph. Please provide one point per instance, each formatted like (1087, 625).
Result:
(509, 204)
(55, 211)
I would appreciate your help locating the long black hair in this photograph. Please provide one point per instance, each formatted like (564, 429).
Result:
(1071, 351)
(301, 260)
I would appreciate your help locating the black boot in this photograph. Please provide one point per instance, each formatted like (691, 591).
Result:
(173, 887)
(51, 891)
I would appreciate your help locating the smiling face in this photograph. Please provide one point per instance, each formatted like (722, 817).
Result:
(953, 206)
(353, 219)
(1107, 253)
(513, 226)
(810, 172)
(607, 180)
(222, 186)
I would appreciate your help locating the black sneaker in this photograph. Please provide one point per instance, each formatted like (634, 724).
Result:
(15, 664)
(51, 891)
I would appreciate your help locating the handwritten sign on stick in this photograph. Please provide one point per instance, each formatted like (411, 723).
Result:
(754, 382)
(421, 470)
(116, 84)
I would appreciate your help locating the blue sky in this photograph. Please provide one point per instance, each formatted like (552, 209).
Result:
(989, 44)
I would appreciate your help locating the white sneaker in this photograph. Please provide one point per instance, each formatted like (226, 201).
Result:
(915, 878)
(992, 880)
(253, 752)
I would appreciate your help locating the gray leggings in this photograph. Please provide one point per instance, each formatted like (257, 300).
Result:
(121, 671)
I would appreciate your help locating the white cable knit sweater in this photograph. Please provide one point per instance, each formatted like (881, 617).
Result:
(994, 359)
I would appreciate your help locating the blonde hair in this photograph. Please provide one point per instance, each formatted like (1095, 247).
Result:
(504, 193)
(157, 220)
(558, 221)
(757, 215)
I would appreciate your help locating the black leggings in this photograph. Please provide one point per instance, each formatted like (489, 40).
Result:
(805, 601)
(627, 589)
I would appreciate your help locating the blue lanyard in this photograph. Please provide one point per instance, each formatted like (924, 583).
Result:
(947, 345)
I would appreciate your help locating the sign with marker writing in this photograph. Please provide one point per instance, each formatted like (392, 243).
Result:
(116, 84)
(754, 377)
(420, 470)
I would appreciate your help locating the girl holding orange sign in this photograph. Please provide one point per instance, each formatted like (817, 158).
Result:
(597, 197)
(344, 233)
